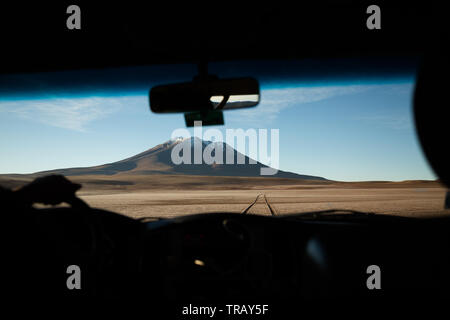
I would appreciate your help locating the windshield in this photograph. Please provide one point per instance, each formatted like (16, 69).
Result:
(324, 136)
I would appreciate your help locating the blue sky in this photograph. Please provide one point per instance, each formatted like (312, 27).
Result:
(348, 130)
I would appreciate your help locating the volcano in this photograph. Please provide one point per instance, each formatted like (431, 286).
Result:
(158, 161)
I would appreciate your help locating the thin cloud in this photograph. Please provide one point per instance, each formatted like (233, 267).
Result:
(395, 122)
(68, 113)
(273, 101)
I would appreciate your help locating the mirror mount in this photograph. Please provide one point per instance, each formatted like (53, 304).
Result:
(203, 75)
(205, 96)
(208, 118)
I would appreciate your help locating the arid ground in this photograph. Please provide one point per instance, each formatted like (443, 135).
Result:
(176, 195)
(402, 201)
(172, 195)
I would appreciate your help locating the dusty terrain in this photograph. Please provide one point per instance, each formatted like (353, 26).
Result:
(402, 201)
(172, 195)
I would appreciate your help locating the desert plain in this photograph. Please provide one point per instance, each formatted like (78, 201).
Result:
(166, 196)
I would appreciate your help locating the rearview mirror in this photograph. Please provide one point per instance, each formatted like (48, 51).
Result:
(205, 95)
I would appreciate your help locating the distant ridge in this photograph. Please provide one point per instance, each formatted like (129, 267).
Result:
(157, 160)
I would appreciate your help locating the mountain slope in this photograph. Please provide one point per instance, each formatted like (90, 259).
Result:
(158, 160)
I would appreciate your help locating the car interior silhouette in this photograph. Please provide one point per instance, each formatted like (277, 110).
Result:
(221, 256)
